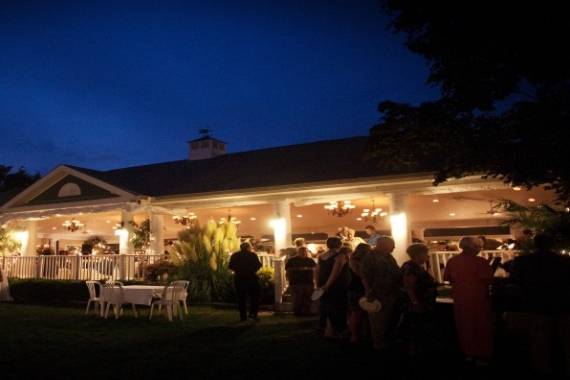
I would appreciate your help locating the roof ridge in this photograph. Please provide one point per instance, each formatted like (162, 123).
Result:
(236, 153)
(80, 168)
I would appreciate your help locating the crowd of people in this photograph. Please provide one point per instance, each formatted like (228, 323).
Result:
(363, 292)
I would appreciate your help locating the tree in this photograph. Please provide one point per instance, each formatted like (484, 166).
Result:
(19, 179)
(504, 108)
(554, 221)
(8, 243)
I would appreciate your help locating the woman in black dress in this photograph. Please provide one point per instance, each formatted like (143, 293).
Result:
(333, 278)
(356, 291)
(419, 305)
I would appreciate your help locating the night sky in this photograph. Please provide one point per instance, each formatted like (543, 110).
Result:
(115, 84)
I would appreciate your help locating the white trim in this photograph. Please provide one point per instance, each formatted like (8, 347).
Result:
(102, 184)
(51, 179)
(86, 209)
(68, 205)
(310, 193)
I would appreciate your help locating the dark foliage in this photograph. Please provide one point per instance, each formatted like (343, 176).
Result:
(157, 271)
(19, 179)
(504, 108)
(47, 292)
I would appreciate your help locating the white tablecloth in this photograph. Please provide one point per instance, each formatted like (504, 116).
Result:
(137, 294)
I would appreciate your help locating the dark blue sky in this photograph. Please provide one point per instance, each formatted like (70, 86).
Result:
(118, 84)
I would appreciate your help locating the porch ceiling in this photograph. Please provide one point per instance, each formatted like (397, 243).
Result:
(467, 208)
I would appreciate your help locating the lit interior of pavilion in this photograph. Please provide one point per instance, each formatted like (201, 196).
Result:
(429, 217)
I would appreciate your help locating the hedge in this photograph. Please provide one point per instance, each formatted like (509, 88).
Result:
(38, 291)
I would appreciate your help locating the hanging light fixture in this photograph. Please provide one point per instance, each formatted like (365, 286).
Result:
(184, 220)
(72, 225)
(340, 208)
(372, 214)
(230, 218)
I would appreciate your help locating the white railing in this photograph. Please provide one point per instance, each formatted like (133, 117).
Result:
(438, 260)
(114, 267)
(267, 259)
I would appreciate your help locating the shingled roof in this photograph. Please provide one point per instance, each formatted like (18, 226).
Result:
(320, 161)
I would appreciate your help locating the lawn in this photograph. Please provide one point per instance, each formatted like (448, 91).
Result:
(60, 342)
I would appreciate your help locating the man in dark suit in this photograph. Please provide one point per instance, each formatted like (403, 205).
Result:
(245, 265)
(543, 278)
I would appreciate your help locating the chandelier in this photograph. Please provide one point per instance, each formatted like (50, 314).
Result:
(72, 225)
(185, 220)
(372, 214)
(230, 218)
(340, 208)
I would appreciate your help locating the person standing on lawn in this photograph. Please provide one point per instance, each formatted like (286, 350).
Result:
(419, 302)
(470, 278)
(382, 281)
(245, 265)
(333, 278)
(543, 318)
(300, 271)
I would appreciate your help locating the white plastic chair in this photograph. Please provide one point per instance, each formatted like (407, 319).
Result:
(170, 299)
(92, 286)
(182, 296)
(117, 300)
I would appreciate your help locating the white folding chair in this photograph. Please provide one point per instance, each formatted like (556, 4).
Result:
(93, 286)
(169, 299)
(117, 300)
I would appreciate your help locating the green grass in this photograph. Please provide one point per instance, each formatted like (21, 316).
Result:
(60, 342)
(52, 341)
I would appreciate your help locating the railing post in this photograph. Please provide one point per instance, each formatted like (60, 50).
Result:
(122, 267)
(76, 267)
(279, 278)
(39, 265)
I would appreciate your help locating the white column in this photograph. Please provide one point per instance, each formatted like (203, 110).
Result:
(400, 226)
(279, 278)
(156, 234)
(282, 225)
(125, 245)
(29, 242)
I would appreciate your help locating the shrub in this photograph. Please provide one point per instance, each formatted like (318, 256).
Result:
(48, 291)
(225, 289)
(36, 291)
(267, 285)
(155, 272)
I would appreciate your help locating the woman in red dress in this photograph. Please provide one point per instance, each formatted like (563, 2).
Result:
(470, 278)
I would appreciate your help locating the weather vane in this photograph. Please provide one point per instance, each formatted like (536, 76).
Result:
(205, 132)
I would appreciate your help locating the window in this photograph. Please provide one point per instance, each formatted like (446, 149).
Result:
(69, 190)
